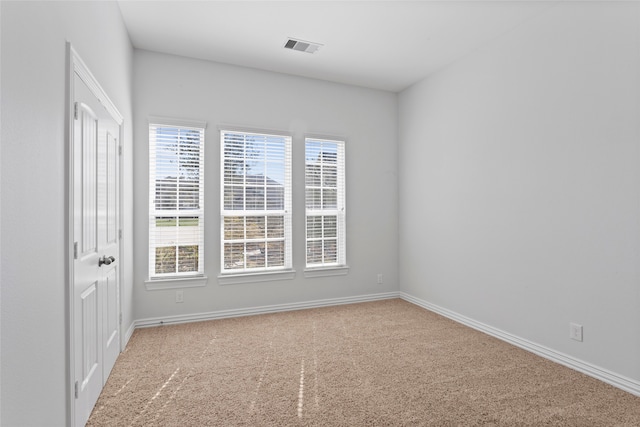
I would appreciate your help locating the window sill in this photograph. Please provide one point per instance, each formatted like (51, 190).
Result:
(341, 270)
(263, 276)
(175, 283)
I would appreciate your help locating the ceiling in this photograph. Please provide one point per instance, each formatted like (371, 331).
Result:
(387, 45)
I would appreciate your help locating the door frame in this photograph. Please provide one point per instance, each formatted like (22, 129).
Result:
(75, 65)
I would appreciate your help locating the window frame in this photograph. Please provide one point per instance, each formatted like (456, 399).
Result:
(176, 279)
(339, 266)
(247, 274)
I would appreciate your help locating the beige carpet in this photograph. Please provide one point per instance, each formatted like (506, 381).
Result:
(386, 363)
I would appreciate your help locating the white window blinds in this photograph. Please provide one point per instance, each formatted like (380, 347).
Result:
(176, 200)
(255, 202)
(325, 203)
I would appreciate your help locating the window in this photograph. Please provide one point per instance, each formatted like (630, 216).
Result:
(176, 207)
(325, 203)
(256, 202)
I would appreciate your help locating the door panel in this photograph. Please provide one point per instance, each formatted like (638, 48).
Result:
(88, 127)
(96, 267)
(88, 351)
(111, 321)
(90, 335)
(108, 243)
(112, 189)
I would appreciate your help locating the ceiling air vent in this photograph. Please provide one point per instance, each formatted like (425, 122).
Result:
(302, 46)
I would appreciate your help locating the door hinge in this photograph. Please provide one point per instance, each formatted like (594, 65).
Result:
(120, 150)
(76, 389)
(121, 318)
(75, 110)
(120, 234)
(75, 250)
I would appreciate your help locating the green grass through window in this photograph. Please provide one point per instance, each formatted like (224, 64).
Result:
(171, 222)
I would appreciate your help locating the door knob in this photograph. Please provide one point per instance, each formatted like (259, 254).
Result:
(105, 260)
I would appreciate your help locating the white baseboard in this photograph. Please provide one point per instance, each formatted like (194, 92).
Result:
(128, 334)
(604, 375)
(156, 321)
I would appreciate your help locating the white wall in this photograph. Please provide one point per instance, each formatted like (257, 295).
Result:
(172, 86)
(519, 184)
(0, 219)
(33, 218)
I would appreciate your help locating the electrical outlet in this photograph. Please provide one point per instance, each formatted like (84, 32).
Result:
(179, 296)
(379, 278)
(575, 331)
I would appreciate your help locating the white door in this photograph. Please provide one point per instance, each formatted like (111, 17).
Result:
(96, 331)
